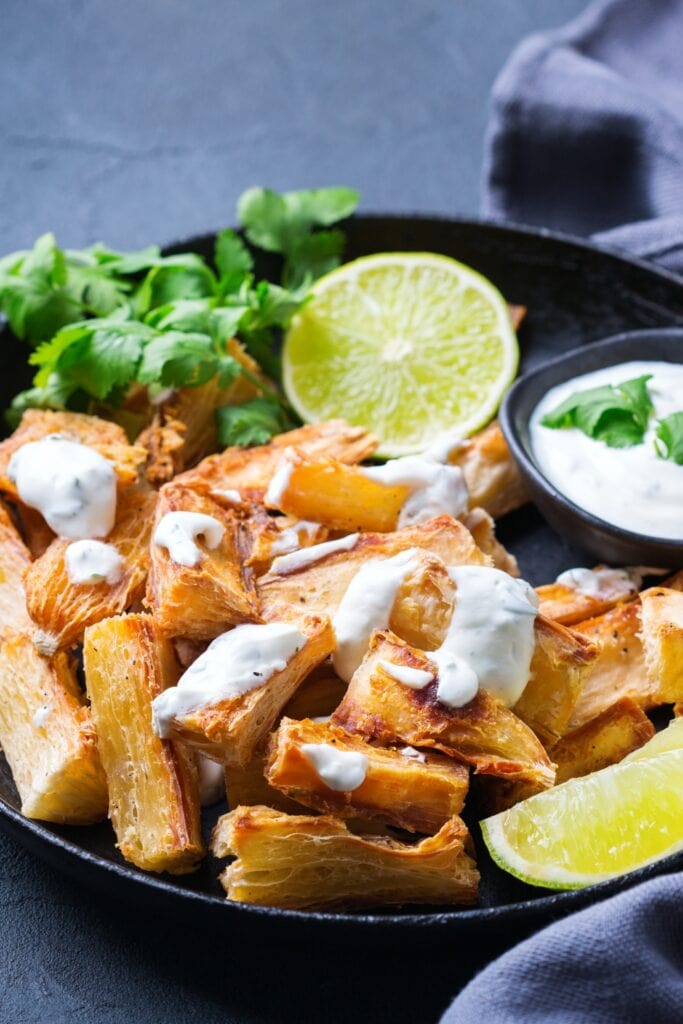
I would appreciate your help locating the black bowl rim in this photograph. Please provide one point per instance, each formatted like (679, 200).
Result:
(43, 840)
(528, 463)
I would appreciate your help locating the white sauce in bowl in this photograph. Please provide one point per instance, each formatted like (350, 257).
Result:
(629, 487)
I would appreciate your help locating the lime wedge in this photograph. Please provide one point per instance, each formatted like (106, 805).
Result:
(408, 345)
(593, 828)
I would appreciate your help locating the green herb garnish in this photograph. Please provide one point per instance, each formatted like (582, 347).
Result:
(616, 414)
(669, 440)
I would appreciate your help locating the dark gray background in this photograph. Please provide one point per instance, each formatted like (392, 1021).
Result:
(137, 122)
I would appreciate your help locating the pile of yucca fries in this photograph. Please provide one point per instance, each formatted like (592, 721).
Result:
(80, 752)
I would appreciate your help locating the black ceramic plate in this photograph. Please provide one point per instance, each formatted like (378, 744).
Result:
(575, 294)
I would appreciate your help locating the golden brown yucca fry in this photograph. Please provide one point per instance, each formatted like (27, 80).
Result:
(400, 791)
(604, 740)
(60, 610)
(14, 561)
(303, 862)
(619, 668)
(183, 428)
(491, 474)
(341, 497)
(561, 661)
(318, 696)
(269, 536)
(662, 636)
(201, 601)
(321, 585)
(230, 730)
(483, 733)
(248, 785)
(250, 470)
(153, 786)
(569, 606)
(48, 736)
(483, 529)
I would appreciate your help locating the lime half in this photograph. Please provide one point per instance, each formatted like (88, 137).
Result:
(593, 828)
(408, 345)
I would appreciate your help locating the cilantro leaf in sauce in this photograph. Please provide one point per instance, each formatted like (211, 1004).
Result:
(615, 414)
(669, 440)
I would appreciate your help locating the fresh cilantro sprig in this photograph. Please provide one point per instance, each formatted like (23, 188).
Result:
(669, 438)
(104, 322)
(616, 414)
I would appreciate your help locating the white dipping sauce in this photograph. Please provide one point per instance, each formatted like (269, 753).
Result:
(413, 755)
(601, 582)
(236, 662)
(308, 556)
(91, 561)
(490, 639)
(435, 488)
(415, 678)
(178, 531)
(629, 487)
(293, 537)
(280, 480)
(340, 770)
(70, 484)
(366, 606)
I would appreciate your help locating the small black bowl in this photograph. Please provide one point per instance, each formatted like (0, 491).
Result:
(607, 542)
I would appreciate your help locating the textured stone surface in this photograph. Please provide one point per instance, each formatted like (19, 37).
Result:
(138, 122)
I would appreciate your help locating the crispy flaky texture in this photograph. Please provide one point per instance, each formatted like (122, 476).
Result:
(251, 470)
(106, 438)
(247, 785)
(183, 428)
(569, 606)
(48, 737)
(204, 600)
(491, 474)
(483, 733)
(321, 585)
(153, 786)
(302, 862)
(269, 536)
(400, 791)
(14, 561)
(662, 636)
(483, 528)
(60, 610)
(230, 730)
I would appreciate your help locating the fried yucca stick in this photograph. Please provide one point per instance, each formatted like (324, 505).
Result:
(200, 601)
(400, 791)
(302, 862)
(606, 739)
(48, 736)
(249, 471)
(153, 785)
(321, 585)
(230, 730)
(318, 696)
(270, 536)
(248, 786)
(483, 529)
(662, 636)
(491, 474)
(619, 669)
(183, 428)
(60, 609)
(483, 733)
(569, 606)
(104, 437)
(14, 561)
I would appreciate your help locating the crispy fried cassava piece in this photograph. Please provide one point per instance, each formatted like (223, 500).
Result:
(341, 497)
(662, 636)
(248, 786)
(398, 790)
(619, 668)
(319, 694)
(203, 600)
(60, 609)
(483, 529)
(302, 862)
(183, 428)
(323, 583)
(14, 561)
(106, 438)
(251, 470)
(483, 733)
(561, 661)
(269, 536)
(604, 740)
(48, 737)
(231, 730)
(566, 605)
(153, 785)
(491, 474)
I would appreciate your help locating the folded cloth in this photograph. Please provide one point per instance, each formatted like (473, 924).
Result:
(586, 136)
(586, 130)
(618, 962)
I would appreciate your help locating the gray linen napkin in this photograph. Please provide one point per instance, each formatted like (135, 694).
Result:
(586, 136)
